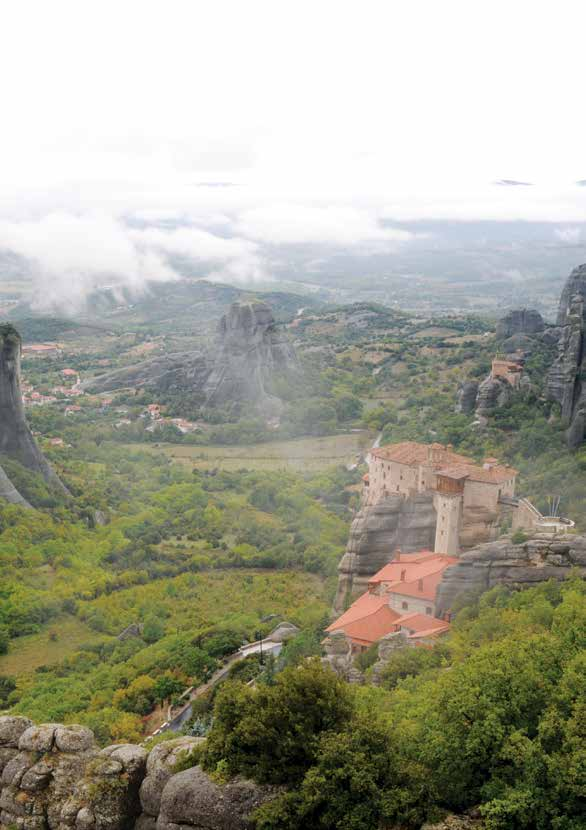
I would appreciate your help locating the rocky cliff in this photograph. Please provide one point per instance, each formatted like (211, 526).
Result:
(376, 532)
(565, 381)
(54, 777)
(249, 354)
(520, 321)
(16, 439)
(518, 565)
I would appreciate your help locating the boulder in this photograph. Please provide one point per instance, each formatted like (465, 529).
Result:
(132, 758)
(74, 738)
(159, 769)
(11, 728)
(37, 777)
(192, 799)
(15, 769)
(38, 738)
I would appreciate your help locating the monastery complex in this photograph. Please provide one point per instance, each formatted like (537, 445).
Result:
(469, 500)
(467, 497)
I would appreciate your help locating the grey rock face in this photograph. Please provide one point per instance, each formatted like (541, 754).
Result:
(492, 393)
(520, 321)
(519, 342)
(192, 799)
(376, 532)
(502, 562)
(16, 439)
(159, 373)
(565, 381)
(467, 395)
(575, 286)
(249, 353)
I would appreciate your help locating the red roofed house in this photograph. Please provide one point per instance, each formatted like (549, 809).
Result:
(466, 496)
(400, 597)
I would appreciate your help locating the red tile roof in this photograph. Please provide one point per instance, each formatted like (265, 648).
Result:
(411, 452)
(421, 625)
(444, 461)
(416, 578)
(495, 474)
(367, 620)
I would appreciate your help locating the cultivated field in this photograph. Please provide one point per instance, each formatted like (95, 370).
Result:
(310, 454)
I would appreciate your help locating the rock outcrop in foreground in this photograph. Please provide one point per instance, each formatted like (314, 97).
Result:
(16, 439)
(54, 777)
(519, 565)
(376, 532)
(566, 379)
(250, 353)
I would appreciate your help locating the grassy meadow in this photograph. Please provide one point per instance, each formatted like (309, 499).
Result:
(301, 455)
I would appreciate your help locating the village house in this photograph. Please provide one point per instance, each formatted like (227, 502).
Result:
(400, 598)
(153, 411)
(468, 497)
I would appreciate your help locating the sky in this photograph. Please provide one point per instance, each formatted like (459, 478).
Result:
(278, 123)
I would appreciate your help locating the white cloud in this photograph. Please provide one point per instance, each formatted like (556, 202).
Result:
(70, 256)
(294, 223)
(231, 257)
(569, 235)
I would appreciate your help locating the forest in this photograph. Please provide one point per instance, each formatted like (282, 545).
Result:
(491, 721)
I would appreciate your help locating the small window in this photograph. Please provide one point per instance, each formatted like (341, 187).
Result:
(429, 611)
(404, 606)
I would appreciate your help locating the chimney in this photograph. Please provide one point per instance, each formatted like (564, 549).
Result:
(398, 555)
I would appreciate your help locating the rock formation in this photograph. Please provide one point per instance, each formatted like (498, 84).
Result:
(492, 393)
(519, 565)
(467, 395)
(376, 532)
(520, 321)
(178, 370)
(250, 352)
(565, 381)
(575, 286)
(16, 439)
(54, 777)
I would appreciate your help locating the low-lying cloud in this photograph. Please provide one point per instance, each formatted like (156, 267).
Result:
(69, 256)
(294, 223)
